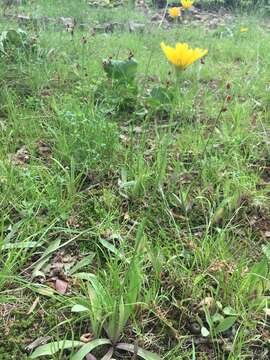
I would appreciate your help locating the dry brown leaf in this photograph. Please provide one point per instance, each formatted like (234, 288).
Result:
(73, 222)
(44, 151)
(61, 286)
(21, 157)
(221, 265)
(208, 303)
(46, 92)
(86, 337)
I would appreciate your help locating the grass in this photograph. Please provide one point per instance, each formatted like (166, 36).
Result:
(102, 167)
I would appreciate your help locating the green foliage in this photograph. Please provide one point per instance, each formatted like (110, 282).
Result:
(256, 283)
(113, 298)
(91, 141)
(122, 70)
(105, 3)
(54, 347)
(11, 40)
(234, 4)
(110, 304)
(87, 348)
(86, 154)
(225, 324)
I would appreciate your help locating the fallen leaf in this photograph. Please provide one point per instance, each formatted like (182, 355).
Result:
(44, 151)
(46, 92)
(221, 265)
(21, 157)
(209, 303)
(61, 286)
(73, 222)
(86, 337)
(57, 267)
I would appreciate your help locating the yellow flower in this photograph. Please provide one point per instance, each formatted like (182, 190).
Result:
(187, 4)
(243, 29)
(174, 12)
(182, 56)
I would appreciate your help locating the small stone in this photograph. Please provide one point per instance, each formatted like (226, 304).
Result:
(135, 27)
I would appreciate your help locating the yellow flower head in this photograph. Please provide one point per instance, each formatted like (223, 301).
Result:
(182, 56)
(174, 12)
(187, 4)
(243, 29)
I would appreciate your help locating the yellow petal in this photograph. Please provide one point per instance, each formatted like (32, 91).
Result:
(182, 56)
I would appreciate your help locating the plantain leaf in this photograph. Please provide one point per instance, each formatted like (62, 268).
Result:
(86, 348)
(147, 355)
(44, 290)
(85, 276)
(161, 95)
(14, 37)
(54, 347)
(45, 257)
(120, 69)
(266, 250)
(228, 310)
(108, 355)
(111, 248)
(21, 245)
(82, 263)
(79, 308)
(226, 324)
(256, 279)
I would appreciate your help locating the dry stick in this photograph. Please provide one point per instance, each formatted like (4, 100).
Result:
(164, 14)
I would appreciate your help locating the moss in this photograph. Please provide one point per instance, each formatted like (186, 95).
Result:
(23, 329)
